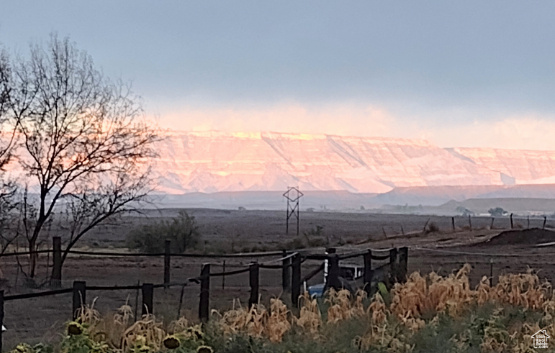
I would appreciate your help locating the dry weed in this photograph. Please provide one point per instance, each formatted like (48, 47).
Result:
(124, 314)
(278, 322)
(88, 315)
(146, 332)
(310, 317)
(523, 290)
(378, 310)
(432, 293)
(340, 305)
(256, 321)
(239, 319)
(180, 325)
(390, 327)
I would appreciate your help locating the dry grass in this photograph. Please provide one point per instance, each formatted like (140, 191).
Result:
(342, 307)
(310, 317)
(432, 293)
(420, 305)
(257, 321)
(453, 296)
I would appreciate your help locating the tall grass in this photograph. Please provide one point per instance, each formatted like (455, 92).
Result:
(428, 313)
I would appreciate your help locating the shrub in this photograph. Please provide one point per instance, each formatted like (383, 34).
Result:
(431, 228)
(316, 231)
(182, 231)
(498, 211)
(464, 211)
(296, 243)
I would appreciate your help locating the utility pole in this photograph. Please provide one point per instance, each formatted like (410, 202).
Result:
(293, 194)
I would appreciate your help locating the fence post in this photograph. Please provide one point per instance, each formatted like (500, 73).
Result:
(528, 222)
(204, 303)
(167, 262)
(148, 294)
(296, 280)
(470, 222)
(544, 221)
(368, 271)
(79, 297)
(285, 273)
(327, 263)
(453, 224)
(1, 317)
(491, 225)
(491, 272)
(56, 279)
(332, 281)
(511, 217)
(393, 266)
(223, 276)
(254, 271)
(403, 264)
(137, 300)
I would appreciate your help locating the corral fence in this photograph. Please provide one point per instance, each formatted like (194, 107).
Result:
(511, 217)
(79, 297)
(393, 268)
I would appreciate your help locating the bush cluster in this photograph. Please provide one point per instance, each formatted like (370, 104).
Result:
(182, 231)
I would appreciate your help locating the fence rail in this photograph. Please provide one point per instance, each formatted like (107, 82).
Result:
(135, 254)
(289, 262)
(291, 279)
(36, 295)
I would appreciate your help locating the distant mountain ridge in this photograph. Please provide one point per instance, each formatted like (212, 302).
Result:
(438, 195)
(225, 162)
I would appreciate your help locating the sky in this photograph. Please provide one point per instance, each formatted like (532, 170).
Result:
(457, 73)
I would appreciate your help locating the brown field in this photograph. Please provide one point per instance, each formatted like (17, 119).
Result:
(40, 319)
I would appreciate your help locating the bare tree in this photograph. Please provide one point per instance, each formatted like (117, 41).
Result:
(8, 188)
(82, 143)
(9, 230)
(7, 130)
(95, 202)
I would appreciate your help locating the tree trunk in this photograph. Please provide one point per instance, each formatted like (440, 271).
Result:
(32, 257)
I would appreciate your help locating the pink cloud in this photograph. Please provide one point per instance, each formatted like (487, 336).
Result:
(528, 131)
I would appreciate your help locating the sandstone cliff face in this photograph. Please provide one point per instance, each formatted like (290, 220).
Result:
(524, 167)
(216, 161)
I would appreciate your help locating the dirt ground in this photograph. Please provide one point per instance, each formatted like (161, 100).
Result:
(445, 250)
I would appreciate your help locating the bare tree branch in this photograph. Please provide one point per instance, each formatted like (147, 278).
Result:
(82, 139)
(8, 189)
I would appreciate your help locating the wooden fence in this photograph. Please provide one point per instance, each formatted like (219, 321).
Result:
(79, 297)
(290, 263)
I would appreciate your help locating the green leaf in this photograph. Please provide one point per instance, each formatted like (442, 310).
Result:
(383, 290)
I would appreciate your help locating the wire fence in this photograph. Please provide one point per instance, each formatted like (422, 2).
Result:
(289, 263)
